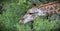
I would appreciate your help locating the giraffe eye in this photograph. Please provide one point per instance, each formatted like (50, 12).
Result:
(31, 13)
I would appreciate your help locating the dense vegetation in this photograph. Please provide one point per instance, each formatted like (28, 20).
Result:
(14, 10)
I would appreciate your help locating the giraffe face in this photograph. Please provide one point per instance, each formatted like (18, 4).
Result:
(31, 15)
(27, 18)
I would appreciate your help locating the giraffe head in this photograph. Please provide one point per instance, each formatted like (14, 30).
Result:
(31, 15)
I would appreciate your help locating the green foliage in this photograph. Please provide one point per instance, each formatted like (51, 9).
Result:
(15, 10)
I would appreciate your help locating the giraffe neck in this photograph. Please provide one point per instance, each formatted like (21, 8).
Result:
(50, 7)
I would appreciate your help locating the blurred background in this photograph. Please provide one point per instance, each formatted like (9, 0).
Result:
(11, 11)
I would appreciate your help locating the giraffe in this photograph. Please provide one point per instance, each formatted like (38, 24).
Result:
(42, 10)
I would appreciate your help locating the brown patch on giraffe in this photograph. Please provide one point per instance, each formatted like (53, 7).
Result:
(51, 8)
